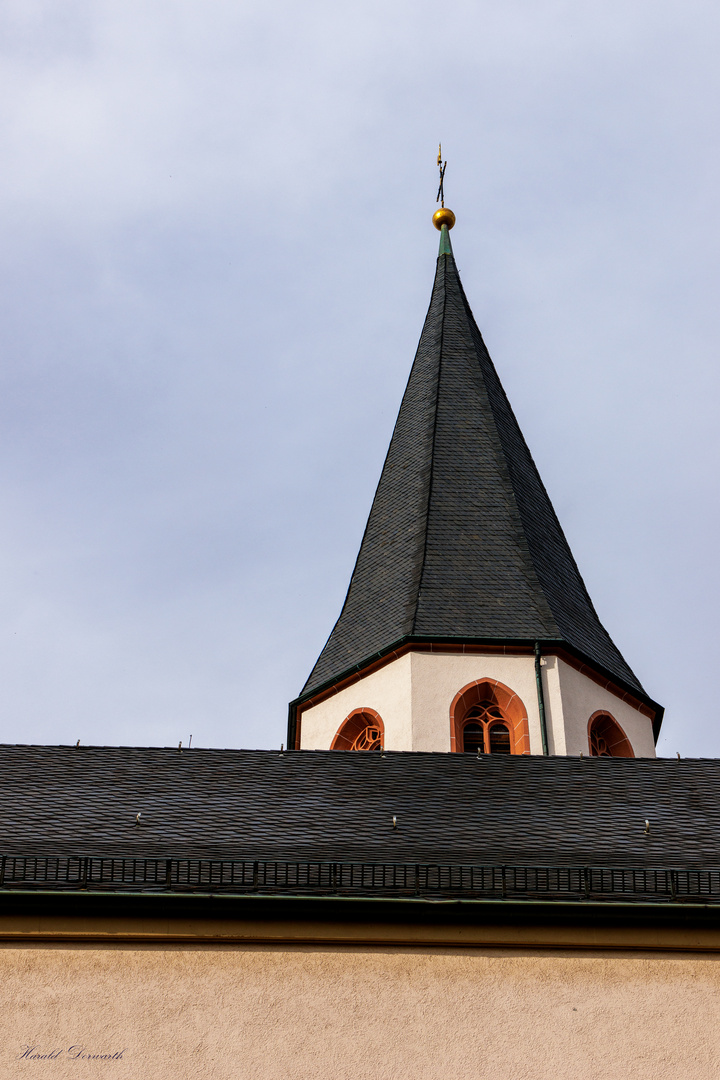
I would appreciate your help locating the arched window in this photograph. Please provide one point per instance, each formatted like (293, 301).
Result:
(488, 718)
(485, 729)
(607, 738)
(361, 730)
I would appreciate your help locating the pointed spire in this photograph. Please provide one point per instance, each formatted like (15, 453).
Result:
(462, 543)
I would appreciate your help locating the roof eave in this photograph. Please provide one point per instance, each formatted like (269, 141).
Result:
(546, 644)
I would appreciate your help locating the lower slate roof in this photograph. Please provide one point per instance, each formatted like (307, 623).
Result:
(455, 808)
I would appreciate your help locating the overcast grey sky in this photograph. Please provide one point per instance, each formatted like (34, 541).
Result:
(216, 258)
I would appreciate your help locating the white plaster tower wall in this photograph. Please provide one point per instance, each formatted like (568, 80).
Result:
(413, 695)
(438, 677)
(571, 698)
(386, 690)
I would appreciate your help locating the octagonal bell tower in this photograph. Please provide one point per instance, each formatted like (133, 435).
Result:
(467, 626)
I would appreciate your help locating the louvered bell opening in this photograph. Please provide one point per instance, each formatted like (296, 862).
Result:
(473, 739)
(499, 739)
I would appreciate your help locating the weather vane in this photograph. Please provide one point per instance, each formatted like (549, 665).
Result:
(442, 168)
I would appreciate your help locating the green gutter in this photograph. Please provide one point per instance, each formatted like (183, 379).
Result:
(541, 699)
(579, 905)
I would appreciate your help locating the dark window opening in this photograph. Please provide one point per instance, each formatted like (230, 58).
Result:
(499, 739)
(473, 739)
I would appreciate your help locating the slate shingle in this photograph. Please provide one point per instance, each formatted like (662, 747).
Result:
(462, 541)
(329, 805)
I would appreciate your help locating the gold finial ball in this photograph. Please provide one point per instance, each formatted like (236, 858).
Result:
(443, 217)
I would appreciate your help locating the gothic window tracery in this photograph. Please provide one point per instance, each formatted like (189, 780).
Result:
(370, 738)
(607, 738)
(488, 717)
(363, 729)
(485, 730)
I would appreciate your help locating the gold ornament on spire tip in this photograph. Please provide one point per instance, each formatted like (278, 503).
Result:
(443, 216)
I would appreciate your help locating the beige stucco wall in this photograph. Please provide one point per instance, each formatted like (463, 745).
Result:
(279, 1012)
(413, 695)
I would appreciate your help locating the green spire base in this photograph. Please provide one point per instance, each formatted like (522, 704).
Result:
(445, 245)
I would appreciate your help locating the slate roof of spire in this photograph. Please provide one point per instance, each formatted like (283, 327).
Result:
(462, 542)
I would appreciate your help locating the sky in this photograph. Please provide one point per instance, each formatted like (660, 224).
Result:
(216, 255)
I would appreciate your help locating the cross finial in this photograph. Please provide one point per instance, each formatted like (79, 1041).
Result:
(442, 167)
(443, 217)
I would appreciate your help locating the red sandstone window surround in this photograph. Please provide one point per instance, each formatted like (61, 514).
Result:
(363, 729)
(606, 738)
(487, 717)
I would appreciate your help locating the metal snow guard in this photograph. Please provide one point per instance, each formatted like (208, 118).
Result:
(378, 880)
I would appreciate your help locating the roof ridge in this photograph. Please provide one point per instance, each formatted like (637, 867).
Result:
(445, 256)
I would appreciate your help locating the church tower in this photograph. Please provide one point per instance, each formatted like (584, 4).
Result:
(467, 625)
